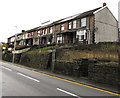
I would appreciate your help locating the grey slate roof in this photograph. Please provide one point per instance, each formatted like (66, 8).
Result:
(80, 15)
(87, 13)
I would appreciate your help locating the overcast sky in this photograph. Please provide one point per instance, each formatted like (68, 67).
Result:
(27, 14)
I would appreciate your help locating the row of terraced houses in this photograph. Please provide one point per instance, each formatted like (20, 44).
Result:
(93, 26)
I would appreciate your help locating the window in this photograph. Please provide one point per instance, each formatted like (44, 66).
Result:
(62, 27)
(74, 24)
(12, 39)
(32, 34)
(38, 33)
(51, 30)
(45, 31)
(26, 35)
(83, 22)
(70, 25)
(81, 35)
(59, 39)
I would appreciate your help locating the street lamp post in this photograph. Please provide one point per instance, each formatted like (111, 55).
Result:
(14, 45)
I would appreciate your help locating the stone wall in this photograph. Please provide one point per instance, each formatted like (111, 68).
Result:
(77, 68)
(89, 68)
(7, 57)
(36, 60)
(107, 74)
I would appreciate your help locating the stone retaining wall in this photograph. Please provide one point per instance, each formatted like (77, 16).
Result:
(36, 60)
(107, 74)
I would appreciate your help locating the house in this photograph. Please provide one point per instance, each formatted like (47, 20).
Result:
(93, 26)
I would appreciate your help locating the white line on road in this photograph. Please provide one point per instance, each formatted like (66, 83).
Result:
(6, 68)
(68, 92)
(28, 77)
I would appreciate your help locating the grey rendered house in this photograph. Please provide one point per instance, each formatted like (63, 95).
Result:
(106, 26)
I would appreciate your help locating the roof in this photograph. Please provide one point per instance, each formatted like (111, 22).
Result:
(87, 13)
(99, 9)
(77, 16)
(80, 15)
(66, 19)
(32, 30)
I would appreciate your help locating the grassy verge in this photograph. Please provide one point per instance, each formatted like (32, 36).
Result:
(42, 49)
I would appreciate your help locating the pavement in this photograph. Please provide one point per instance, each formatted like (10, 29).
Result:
(18, 80)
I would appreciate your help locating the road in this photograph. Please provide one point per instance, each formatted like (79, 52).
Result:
(19, 81)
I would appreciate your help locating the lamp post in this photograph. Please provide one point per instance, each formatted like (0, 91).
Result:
(14, 45)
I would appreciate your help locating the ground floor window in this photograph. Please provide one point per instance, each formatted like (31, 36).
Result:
(60, 38)
(50, 39)
(81, 35)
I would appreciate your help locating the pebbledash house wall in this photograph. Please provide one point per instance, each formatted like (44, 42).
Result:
(106, 26)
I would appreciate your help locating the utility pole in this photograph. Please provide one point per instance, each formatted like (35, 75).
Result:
(14, 45)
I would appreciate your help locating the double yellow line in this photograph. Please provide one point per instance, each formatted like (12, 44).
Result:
(71, 81)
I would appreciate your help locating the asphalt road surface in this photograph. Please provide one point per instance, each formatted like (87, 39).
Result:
(17, 81)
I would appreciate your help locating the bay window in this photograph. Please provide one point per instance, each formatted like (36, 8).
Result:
(81, 35)
(60, 38)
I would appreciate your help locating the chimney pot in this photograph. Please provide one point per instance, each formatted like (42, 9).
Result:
(104, 4)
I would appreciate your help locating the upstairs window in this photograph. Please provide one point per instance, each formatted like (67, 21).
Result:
(74, 24)
(38, 33)
(83, 22)
(32, 34)
(70, 25)
(45, 31)
(62, 27)
(51, 30)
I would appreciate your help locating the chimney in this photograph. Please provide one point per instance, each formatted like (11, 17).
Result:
(23, 31)
(104, 4)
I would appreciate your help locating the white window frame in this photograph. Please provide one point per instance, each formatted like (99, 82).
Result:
(26, 35)
(60, 38)
(12, 39)
(80, 34)
(62, 27)
(46, 31)
(38, 33)
(74, 24)
(51, 30)
(32, 33)
(43, 32)
(83, 22)
(70, 25)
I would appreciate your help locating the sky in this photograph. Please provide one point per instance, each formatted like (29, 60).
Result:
(28, 14)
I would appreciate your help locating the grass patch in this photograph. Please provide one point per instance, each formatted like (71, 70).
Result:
(108, 63)
(42, 49)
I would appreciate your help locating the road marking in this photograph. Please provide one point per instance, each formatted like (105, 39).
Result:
(28, 77)
(67, 92)
(6, 68)
(110, 92)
